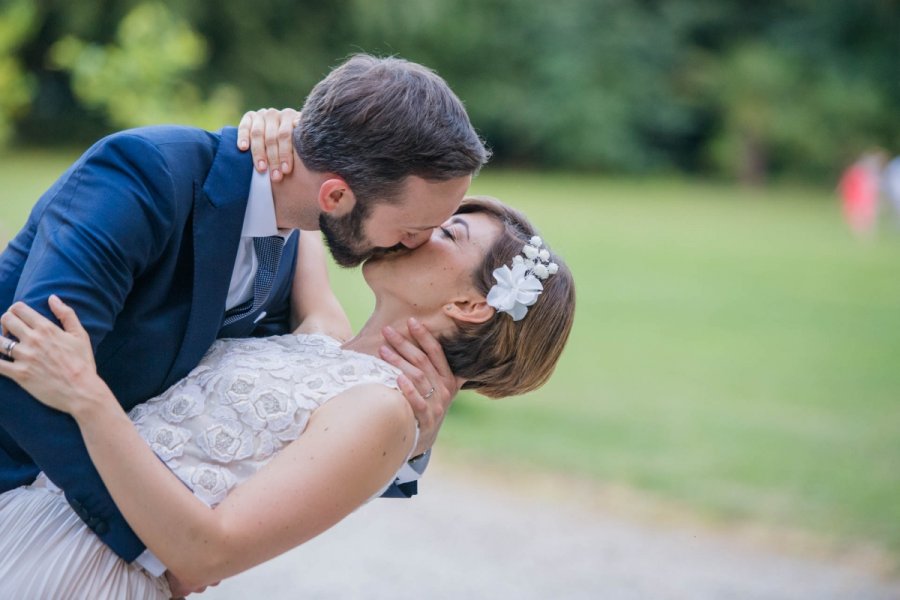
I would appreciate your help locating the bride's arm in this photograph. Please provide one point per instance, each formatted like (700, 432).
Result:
(314, 307)
(353, 445)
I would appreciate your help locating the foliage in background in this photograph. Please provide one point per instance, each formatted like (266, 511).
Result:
(145, 76)
(16, 86)
(710, 86)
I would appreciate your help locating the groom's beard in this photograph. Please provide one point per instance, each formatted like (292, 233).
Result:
(344, 236)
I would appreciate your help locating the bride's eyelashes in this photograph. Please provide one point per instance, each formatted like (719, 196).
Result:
(448, 233)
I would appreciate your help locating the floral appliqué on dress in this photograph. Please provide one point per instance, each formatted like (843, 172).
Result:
(246, 400)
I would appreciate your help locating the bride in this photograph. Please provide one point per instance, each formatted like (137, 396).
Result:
(270, 441)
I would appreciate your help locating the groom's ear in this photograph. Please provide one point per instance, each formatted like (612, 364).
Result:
(335, 197)
(469, 310)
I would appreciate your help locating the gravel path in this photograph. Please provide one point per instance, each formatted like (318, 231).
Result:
(460, 540)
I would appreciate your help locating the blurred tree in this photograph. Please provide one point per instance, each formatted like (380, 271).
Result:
(717, 86)
(143, 78)
(787, 102)
(578, 83)
(17, 20)
(274, 51)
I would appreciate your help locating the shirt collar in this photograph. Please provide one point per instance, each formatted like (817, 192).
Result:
(259, 218)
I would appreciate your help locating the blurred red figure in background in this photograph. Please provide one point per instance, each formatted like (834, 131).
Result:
(859, 188)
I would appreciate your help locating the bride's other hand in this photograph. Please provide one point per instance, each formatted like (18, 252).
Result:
(268, 133)
(53, 364)
(427, 381)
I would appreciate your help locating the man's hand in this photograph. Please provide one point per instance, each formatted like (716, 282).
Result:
(268, 133)
(179, 590)
(427, 381)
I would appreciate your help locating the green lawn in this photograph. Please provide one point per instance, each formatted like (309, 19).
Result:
(734, 351)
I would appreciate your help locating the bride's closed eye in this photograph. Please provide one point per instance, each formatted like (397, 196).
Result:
(448, 233)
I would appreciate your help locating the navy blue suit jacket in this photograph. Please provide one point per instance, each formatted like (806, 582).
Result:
(139, 236)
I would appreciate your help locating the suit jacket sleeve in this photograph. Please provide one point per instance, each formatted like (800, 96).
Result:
(97, 229)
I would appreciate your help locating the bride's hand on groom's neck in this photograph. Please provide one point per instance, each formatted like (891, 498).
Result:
(268, 134)
(427, 381)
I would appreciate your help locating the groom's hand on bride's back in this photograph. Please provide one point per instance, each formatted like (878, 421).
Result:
(268, 134)
(427, 381)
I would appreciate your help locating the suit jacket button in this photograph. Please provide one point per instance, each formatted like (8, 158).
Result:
(79, 510)
(101, 527)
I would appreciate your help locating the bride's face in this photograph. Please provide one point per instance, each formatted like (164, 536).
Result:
(439, 271)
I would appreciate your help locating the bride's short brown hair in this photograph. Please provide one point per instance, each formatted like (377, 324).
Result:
(502, 357)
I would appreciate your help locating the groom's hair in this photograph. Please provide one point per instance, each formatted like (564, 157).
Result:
(375, 121)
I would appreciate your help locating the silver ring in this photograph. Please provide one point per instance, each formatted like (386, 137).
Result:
(10, 346)
(429, 394)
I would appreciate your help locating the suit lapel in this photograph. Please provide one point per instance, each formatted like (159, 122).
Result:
(218, 217)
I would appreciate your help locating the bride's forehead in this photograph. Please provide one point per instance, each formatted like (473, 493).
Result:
(481, 223)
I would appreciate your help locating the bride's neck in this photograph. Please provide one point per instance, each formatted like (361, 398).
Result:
(370, 338)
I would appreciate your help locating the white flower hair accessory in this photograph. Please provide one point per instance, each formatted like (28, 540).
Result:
(518, 287)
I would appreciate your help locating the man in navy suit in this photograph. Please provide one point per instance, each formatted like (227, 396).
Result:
(163, 239)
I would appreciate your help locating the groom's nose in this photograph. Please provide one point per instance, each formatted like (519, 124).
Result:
(414, 240)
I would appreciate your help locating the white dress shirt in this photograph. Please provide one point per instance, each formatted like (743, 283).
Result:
(259, 221)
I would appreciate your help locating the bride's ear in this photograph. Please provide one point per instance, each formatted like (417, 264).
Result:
(469, 310)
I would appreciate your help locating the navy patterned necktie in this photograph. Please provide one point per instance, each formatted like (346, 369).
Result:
(268, 254)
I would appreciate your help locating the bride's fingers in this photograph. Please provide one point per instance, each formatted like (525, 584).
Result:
(289, 119)
(13, 325)
(19, 351)
(244, 131)
(418, 404)
(32, 318)
(4, 344)
(412, 361)
(257, 139)
(10, 369)
(432, 348)
(66, 316)
(273, 120)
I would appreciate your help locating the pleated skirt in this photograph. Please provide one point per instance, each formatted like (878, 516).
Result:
(47, 552)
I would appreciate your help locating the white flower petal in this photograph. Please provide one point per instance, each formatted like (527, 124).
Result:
(504, 276)
(518, 312)
(527, 298)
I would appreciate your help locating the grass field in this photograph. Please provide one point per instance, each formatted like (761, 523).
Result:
(734, 351)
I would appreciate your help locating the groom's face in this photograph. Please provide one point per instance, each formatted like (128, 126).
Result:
(386, 227)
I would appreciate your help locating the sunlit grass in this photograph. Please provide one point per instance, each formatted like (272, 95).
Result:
(734, 350)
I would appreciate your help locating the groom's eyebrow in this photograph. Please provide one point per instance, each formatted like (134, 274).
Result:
(462, 222)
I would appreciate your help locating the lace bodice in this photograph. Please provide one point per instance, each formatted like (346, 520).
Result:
(247, 399)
